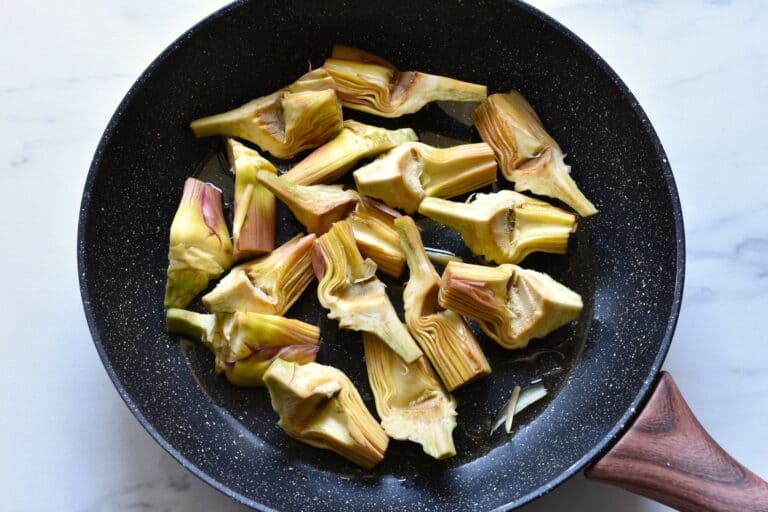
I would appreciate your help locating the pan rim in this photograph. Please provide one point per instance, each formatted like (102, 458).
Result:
(595, 452)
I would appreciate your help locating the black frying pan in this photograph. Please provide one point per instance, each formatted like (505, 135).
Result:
(627, 262)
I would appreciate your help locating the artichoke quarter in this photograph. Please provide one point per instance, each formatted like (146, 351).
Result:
(374, 229)
(528, 155)
(411, 401)
(269, 284)
(300, 116)
(512, 305)
(333, 159)
(349, 288)
(370, 84)
(504, 226)
(200, 248)
(253, 227)
(442, 334)
(413, 170)
(318, 405)
(245, 344)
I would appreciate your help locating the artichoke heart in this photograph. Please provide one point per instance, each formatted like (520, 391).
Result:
(354, 295)
(317, 207)
(443, 335)
(528, 155)
(333, 159)
(270, 284)
(374, 229)
(410, 400)
(370, 84)
(300, 116)
(504, 226)
(253, 228)
(411, 171)
(512, 305)
(200, 248)
(245, 344)
(318, 405)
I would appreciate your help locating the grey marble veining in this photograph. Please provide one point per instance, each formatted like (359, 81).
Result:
(697, 67)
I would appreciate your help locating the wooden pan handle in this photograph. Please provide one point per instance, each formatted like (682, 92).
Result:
(667, 456)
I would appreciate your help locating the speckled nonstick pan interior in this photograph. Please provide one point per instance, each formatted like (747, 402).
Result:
(626, 262)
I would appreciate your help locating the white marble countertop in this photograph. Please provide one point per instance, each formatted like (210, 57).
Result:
(699, 69)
